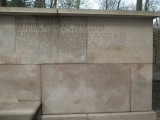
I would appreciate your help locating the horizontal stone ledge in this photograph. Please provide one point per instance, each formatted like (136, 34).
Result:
(76, 12)
(25, 110)
(106, 116)
(27, 11)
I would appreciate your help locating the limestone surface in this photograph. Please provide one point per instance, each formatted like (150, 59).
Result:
(141, 87)
(7, 40)
(85, 88)
(19, 111)
(21, 82)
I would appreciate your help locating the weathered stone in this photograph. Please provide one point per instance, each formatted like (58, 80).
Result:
(124, 116)
(77, 12)
(27, 11)
(50, 40)
(65, 117)
(141, 87)
(85, 88)
(119, 40)
(19, 110)
(107, 13)
(7, 40)
(21, 82)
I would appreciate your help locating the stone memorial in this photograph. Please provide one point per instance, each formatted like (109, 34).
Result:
(80, 64)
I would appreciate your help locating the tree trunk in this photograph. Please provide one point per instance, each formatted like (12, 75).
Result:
(106, 4)
(3, 3)
(159, 22)
(40, 4)
(0, 3)
(44, 3)
(77, 4)
(51, 3)
(55, 4)
(147, 5)
(139, 5)
(118, 4)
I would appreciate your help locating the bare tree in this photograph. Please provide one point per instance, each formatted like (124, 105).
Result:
(147, 5)
(40, 3)
(154, 5)
(76, 4)
(106, 4)
(53, 3)
(109, 4)
(139, 5)
(118, 6)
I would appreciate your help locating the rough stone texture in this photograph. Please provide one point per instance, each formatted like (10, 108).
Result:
(7, 40)
(119, 40)
(50, 40)
(21, 82)
(85, 88)
(124, 116)
(141, 87)
(65, 117)
(19, 110)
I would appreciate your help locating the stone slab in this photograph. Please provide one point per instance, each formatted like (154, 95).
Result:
(50, 40)
(27, 11)
(21, 82)
(107, 13)
(65, 117)
(19, 110)
(85, 88)
(77, 12)
(119, 40)
(141, 87)
(106, 116)
(124, 116)
(7, 40)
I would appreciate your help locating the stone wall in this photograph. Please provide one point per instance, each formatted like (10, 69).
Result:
(79, 67)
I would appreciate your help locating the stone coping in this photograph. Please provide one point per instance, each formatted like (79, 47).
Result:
(75, 12)
(26, 109)
(148, 115)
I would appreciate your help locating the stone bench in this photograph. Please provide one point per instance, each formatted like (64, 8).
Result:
(19, 111)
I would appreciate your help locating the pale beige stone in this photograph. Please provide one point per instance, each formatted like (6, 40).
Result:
(50, 40)
(65, 117)
(141, 87)
(119, 40)
(108, 13)
(85, 88)
(77, 12)
(7, 40)
(72, 40)
(28, 11)
(19, 111)
(124, 116)
(21, 82)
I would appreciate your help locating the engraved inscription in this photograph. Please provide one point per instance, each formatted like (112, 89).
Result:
(107, 41)
(101, 38)
(35, 34)
(50, 39)
(46, 31)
